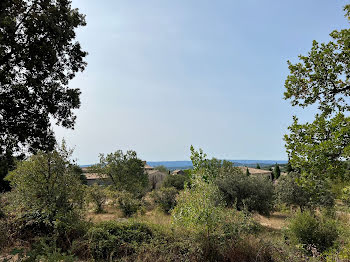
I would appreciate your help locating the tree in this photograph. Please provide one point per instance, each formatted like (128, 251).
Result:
(318, 149)
(46, 191)
(162, 168)
(177, 181)
(126, 171)
(289, 167)
(292, 193)
(209, 168)
(247, 173)
(258, 166)
(97, 195)
(253, 193)
(276, 171)
(200, 206)
(322, 77)
(38, 58)
(165, 197)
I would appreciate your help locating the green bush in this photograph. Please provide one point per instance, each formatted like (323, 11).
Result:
(97, 195)
(312, 232)
(165, 198)
(254, 193)
(46, 191)
(128, 204)
(177, 181)
(45, 250)
(111, 240)
(345, 196)
(290, 192)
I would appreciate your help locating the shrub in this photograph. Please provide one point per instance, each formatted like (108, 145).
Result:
(45, 250)
(255, 193)
(199, 207)
(345, 196)
(45, 192)
(290, 192)
(111, 240)
(128, 203)
(165, 198)
(97, 195)
(312, 232)
(177, 181)
(125, 170)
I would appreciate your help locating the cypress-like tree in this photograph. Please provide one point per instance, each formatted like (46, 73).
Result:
(289, 167)
(258, 166)
(277, 171)
(247, 172)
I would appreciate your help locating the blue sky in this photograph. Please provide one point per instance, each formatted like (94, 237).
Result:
(163, 75)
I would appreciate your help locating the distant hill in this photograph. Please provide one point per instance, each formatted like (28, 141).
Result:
(172, 165)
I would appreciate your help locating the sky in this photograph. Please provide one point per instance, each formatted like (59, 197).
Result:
(163, 75)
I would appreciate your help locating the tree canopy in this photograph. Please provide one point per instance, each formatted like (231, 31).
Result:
(126, 171)
(321, 78)
(38, 57)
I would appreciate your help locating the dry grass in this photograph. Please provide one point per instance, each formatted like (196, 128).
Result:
(111, 213)
(155, 216)
(275, 221)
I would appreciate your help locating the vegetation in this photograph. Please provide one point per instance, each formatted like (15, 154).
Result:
(177, 181)
(46, 194)
(252, 193)
(34, 75)
(128, 204)
(215, 212)
(162, 169)
(318, 149)
(166, 198)
(315, 233)
(126, 171)
(97, 195)
(276, 171)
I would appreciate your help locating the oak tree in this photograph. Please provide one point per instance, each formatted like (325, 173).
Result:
(38, 57)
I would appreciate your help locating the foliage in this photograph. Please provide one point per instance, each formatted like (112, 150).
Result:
(290, 192)
(346, 195)
(289, 167)
(7, 163)
(258, 166)
(209, 169)
(166, 198)
(38, 58)
(178, 181)
(46, 192)
(97, 195)
(255, 193)
(125, 170)
(276, 171)
(111, 240)
(45, 250)
(322, 76)
(128, 204)
(313, 232)
(320, 148)
(199, 207)
(162, 168)
(79, 172)
(247, 173)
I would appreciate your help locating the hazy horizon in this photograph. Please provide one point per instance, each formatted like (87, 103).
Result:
(164, 75)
